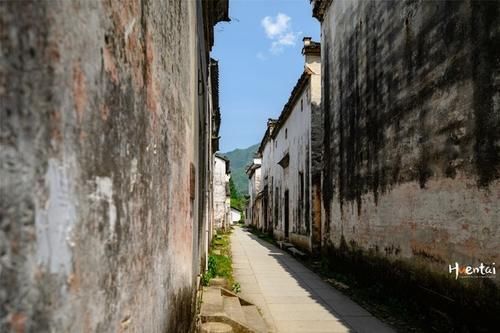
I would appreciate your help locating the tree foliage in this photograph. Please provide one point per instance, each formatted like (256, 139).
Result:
(238, 201)
(240, 159)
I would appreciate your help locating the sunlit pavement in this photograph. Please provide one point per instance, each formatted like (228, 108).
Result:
(290, 296)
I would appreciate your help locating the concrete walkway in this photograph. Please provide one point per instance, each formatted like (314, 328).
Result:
(291, 297)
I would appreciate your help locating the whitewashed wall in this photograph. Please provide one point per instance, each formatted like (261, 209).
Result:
(254, 187)
(293, 137)
(235, 215)
(221, 205)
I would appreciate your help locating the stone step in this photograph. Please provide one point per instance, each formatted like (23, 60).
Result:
(216, 327)
(213, 301)
(223, 306)
(254, 319)
(218, 282)
(284, 244)
(296, 252)
(232, 308)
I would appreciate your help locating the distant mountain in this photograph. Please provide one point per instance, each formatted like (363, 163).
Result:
(240, 159)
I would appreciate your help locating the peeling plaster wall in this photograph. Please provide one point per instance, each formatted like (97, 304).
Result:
(102, 149)
(412, 129)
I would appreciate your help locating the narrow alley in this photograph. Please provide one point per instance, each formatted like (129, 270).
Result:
(291, 297)
(249, 166)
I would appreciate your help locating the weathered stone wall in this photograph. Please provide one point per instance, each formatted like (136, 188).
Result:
(412, 129)
(101, 163)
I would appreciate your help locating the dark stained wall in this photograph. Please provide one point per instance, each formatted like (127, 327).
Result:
(411, 99)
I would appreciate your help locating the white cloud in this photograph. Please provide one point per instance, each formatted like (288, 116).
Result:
(279, 30)
(261, 56)
(276, 48)
(276, 27)
(288, 39)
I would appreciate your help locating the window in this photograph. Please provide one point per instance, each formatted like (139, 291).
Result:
(301, 105)
(285, 161)
(286, 133)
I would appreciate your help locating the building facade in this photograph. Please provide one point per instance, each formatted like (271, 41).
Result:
(291, 159)
(412, 141)
(235, 215)
(221, 193)
(106, 149)
(254, 211)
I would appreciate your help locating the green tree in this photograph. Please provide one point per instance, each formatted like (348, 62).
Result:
(232, 188)
(237, 200)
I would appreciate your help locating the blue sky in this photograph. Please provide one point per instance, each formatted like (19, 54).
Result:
(260, 61)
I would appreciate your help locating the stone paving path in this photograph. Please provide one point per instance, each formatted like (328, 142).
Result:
(290, 296)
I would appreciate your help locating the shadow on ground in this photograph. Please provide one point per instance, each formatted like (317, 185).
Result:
(292, 297)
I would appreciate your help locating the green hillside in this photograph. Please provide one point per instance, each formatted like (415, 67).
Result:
(240, 159)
